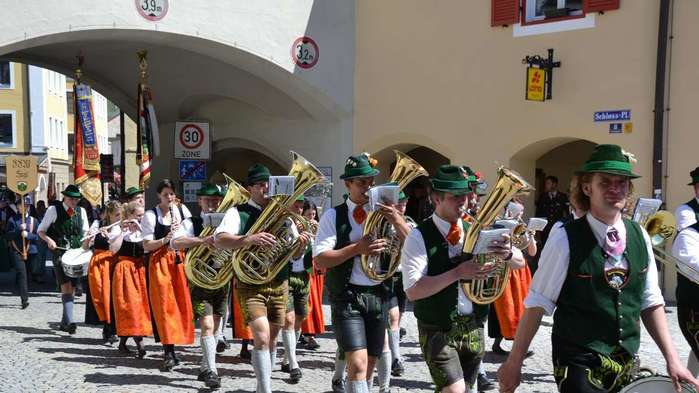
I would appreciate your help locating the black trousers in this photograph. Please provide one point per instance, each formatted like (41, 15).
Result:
(688, 318)
(20, 266)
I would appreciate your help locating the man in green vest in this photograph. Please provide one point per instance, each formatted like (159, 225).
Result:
(608, 262)
(62, 227)
(686, 250)
(358, 303)
(450, 326)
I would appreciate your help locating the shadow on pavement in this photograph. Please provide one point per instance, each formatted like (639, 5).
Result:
(28, 330)
(131, 379)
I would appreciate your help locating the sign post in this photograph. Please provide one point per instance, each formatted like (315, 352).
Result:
(22, 178)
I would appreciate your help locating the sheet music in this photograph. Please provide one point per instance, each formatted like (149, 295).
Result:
(281, 185)
(645, 207)
(487, 237)
(384, 194)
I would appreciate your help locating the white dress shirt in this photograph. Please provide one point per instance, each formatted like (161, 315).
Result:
(555, 259)
(51, 215)
(685, 216)
(686, 245)
(148, 220)
(326, 239)
(413, 260)
(230, 223)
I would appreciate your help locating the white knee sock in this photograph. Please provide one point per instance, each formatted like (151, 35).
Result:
(210, 352)
(340, 366)
(289, 340)
(481, 368)
(263, 371)
(204, 359)
(273, 354)
(394, 343)
(384, 371)
(693, 364)
(357, 387)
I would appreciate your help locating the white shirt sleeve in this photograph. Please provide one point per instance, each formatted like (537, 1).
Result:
(652, 296)
(186, 229)
(686, 250)
(86, 223)
(685, 217)
(413, 259)
(148, 225)
(49, 218)
(326, 239)
(230, 223)
(551, 273)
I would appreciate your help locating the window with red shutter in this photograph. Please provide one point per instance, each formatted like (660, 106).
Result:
(602, 5)
(504, 12)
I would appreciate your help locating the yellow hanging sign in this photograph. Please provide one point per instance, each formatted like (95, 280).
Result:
(536, 84)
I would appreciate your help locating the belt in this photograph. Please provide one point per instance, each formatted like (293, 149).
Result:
(378, 289)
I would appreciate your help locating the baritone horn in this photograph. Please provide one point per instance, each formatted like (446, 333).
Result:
(662, 228)
(208, 267)
(383, 265)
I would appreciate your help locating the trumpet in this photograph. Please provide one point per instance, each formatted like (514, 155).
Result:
(100, 229)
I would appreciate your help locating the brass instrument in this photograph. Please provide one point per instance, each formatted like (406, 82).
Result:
(487, 290)
(662, 228)
(381, 266)
(257, 265)
(522, 236)
(208, 267)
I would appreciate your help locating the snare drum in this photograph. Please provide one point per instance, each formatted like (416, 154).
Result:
(75, 262)
(654, 384)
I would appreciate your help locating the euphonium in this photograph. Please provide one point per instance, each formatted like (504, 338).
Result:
(208, 267)
(381, 266)
(257, 265)
(661, 228)
(487, 290)
(522, 236)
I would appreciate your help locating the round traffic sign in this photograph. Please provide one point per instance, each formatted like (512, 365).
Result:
(153, 10)
(191, 136)
(305, 52)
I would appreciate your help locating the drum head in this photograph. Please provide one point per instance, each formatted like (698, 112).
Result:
(655, 384)
(75, 262)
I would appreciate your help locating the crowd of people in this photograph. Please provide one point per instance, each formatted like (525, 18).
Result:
(138, 285)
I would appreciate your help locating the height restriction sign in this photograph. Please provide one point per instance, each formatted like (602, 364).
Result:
(192, 140)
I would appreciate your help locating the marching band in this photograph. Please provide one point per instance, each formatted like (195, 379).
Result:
(259, 252)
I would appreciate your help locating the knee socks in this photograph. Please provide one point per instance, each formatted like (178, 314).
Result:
(384, 371)
(208, 356)
(263, 371)
(67, 308)
(394, 343)
(357, 387)
(340, 365)
(289, 340)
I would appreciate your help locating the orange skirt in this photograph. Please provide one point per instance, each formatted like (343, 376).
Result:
(510, 306)
(240, 329)
(99, 277)
(130, 298)
(315, 323)
(170, 298)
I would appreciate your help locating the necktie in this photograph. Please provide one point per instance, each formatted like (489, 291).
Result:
(454, 234)
(70, 212)
(359, 214)
(614, 244)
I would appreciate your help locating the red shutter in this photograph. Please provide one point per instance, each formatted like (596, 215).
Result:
(602, 5)
(504, 12)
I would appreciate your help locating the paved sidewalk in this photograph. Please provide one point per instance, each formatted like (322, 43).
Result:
(34, 357)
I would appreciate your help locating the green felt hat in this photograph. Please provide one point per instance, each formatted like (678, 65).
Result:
(608, 159)
(133, 191)
(257, 173)
(402, 196)
(301, 198)
(359, 166)
(72, 191)
(208, 189)
(452, 179)
(695, 176)
(221, 190)
(471, 175)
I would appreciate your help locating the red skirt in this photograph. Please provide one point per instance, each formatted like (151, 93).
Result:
(510, 306)
(170, 298)
(100, 280)
(315, 323)
(240, 329)
(130, 298)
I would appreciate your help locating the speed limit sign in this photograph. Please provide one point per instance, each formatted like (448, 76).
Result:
(192, 140)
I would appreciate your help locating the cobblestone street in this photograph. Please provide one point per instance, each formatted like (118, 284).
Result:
(36, 357)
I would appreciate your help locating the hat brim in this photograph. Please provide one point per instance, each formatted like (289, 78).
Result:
(373, 172)
(257, 179)
(454, 191)
(71, 194)
(630, 175)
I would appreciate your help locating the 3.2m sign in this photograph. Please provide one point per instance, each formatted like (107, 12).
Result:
(192, 140)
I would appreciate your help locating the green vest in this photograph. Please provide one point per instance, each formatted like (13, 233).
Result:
(338, 277)
(687, 292)
(66, 231)
(589, 312)
(248, 215)
(440, 308)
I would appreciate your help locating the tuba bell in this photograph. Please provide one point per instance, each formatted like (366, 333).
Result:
(487, 290)
(257, 265)
(662, 228)
(208, 267)
(381, 266)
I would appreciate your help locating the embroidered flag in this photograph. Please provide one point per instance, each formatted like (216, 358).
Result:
(147, 134)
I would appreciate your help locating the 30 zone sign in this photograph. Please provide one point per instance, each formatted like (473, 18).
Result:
(192, 140)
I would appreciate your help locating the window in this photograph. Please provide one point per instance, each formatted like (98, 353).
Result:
(8, 128)
(70, 98)
(547, 10)
(537, 12)
(6, 75)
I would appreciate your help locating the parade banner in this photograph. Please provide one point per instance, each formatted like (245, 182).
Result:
(147, 126)
(22, 174)
(85, 127)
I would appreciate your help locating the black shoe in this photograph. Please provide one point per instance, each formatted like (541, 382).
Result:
(124, 350)
(397, 368)
(212, 381)
(176, 358)
(221, 346)
(141, 354)
(498, 350)
(78, 292)
(112, 339)
(285, 368)
(484, 384)
(202, 375)
(312, 344)
(71, 328)
(168, 364)
(402, 332)
(295, 375)
(338, 385)
(245, 354)
(25, 304)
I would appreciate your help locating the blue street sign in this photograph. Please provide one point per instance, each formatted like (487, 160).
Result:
(620, 115)
(615, 128)
(193, 170)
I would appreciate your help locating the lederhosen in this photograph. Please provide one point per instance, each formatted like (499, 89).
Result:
(452, 345)
(594, 341)
(687, 294)
(300, 285)
(66, 232)
(207, 301)
(359, 313)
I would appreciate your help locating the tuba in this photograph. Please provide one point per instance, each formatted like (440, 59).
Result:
(487, 290)
(257, 265)
(208, 267)
(381, 266)
(662, 228)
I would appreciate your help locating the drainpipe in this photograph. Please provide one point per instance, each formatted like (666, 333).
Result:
(659, 107)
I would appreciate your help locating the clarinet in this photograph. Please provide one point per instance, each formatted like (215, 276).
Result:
(172, 221)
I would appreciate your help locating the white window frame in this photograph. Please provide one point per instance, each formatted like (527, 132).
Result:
(14, 129)
(12, 78)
